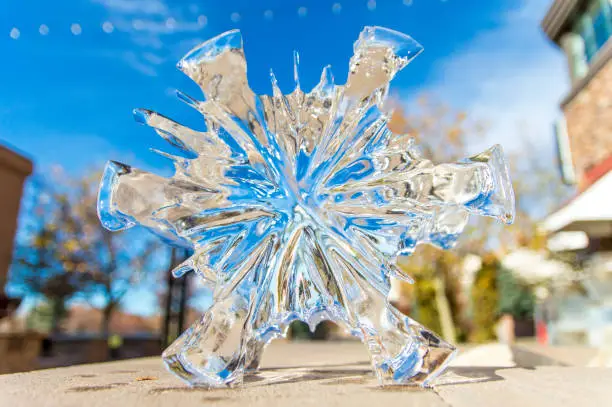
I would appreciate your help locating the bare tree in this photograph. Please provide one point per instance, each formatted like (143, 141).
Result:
(72, 249)
(116, 261)
(46, 262)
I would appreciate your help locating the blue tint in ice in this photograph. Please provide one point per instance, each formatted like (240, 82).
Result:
(296, 207)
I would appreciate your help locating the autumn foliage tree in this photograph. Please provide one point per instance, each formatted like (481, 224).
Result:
(64, 252)
(445, 134)
(47, 262)
(442, 134)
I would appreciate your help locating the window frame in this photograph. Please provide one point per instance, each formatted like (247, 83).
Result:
(584, 26)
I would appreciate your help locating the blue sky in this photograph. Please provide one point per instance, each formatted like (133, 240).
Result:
(67, 98)
(73, 70)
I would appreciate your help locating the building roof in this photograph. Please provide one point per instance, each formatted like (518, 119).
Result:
(557, 17)
(589, 211)
(597, 171)
(15, 162)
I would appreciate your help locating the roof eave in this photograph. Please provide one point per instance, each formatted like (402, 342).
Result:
(557, 18)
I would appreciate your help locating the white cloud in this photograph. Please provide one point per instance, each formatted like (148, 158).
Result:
(151, 42)
(150, 24)
(153, 58)
(511, 77)
(138, 62)
(149, 16)
(140, 27)
(189, 43)
(151, 7)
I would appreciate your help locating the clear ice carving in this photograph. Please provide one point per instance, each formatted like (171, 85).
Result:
(296, 207)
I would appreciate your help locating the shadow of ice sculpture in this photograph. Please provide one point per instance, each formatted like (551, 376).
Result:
(297, 206)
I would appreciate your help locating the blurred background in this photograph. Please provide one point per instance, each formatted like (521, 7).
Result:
(532, 75)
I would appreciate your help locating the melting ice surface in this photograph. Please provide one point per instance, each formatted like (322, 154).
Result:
(296, 207)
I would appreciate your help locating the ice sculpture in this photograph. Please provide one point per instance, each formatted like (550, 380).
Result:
(296, 207)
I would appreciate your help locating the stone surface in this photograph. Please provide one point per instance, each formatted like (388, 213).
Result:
(566, 355)
(316, 374)
(543, 386)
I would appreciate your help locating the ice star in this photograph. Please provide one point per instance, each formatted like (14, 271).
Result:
(296, 207)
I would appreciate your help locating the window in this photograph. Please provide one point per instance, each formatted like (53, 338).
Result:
(588, 36)
(600, 28)
(594, 25)
(602, 24)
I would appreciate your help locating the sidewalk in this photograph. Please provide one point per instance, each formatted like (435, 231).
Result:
(318, 374)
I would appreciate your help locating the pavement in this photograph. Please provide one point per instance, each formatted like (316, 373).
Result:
(325, 374)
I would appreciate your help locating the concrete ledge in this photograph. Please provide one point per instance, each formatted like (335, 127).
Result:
(315, 374)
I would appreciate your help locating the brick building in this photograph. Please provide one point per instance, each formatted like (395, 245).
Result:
(13, 171)
(582, 29)
(581, 310)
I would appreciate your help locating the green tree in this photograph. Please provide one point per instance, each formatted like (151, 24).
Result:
(515, 298)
